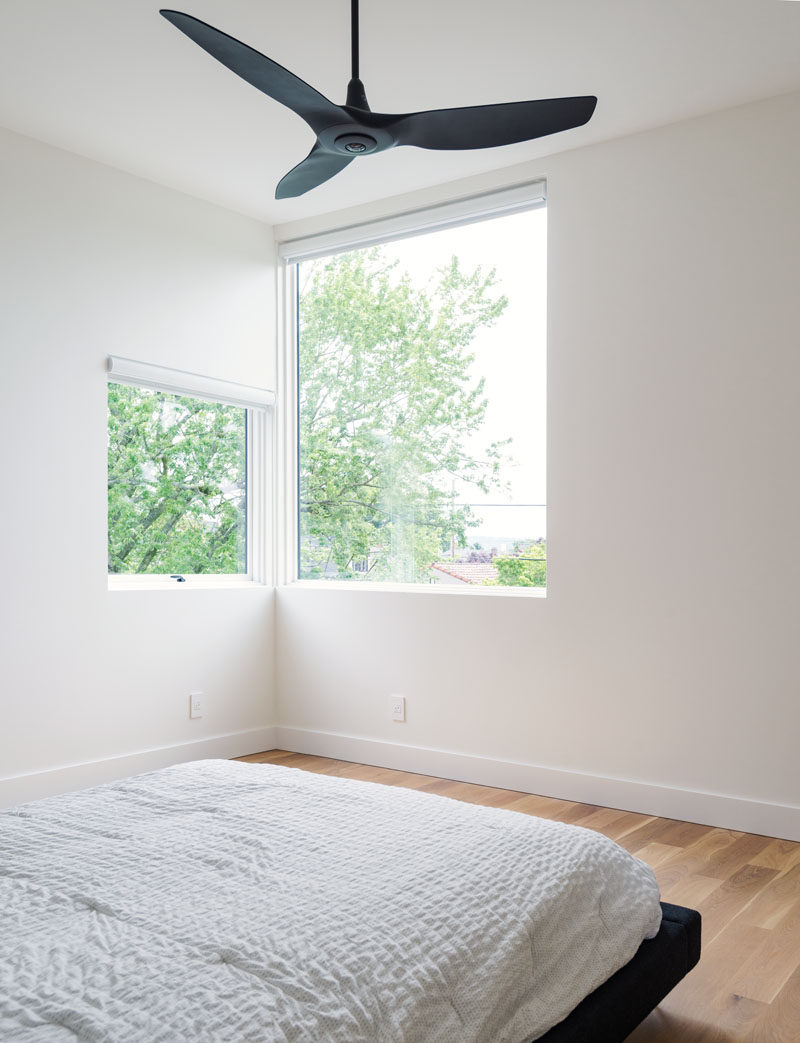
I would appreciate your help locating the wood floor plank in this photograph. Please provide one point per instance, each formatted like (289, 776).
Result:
(730, 859)
(731, 898)
(706, 992)
(732, 1016)
(310, 763)
(407, 779)
(496, 798)
(627, 823)
(778, 854)
(664, 831)
(577, 812)
(772, 963)
(666, 1026)
(471, 794)
(656, 854)
(363, 772)
(644, 834)
(680, 834)
(780, 1023)
(775, 901)
(270, 757)
(386, 776)
(693, 859)
(688, 890)
(601, 819)
(746, 988)
(544, 807)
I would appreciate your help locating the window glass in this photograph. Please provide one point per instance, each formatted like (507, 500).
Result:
(421, 408)
(177, 484)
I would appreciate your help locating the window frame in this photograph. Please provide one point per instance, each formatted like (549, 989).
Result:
(258, 404)
(291, 251)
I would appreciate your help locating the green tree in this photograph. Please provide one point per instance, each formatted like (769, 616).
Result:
(176, 483)
(526, 567)
(387, 408)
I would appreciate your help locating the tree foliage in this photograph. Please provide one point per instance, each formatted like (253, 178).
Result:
(176, 484)
(527, 567)
(388, 408)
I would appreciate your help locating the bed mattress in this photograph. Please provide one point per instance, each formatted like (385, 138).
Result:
(218, 901)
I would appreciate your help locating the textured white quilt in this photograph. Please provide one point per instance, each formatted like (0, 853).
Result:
(219, 901)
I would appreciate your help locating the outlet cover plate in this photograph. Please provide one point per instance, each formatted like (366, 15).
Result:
(397, 707)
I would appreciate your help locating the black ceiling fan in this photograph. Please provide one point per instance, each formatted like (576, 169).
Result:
(347, 131)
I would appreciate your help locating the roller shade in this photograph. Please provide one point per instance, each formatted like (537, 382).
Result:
(456, 212)
(178, 382)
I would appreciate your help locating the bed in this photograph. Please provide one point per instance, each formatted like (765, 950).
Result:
(217, 901)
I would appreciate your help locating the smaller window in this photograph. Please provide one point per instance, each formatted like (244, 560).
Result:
(181, 496)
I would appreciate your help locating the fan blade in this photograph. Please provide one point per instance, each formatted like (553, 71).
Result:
(318, 166)
(486, 126)
(261, 72)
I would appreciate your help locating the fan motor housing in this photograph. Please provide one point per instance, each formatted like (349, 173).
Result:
(356, 144)
(352, 140)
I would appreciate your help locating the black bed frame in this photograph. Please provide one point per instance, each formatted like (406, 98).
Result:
(612, 1011)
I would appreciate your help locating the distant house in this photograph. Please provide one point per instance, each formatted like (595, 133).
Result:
(475, 572)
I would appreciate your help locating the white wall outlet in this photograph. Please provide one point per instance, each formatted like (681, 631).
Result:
(397, 707)
(195, 704)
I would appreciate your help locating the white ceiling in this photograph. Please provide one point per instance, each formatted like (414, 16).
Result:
(112, 80)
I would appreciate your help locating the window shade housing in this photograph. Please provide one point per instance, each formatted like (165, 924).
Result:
(451, 214)
(178, 382)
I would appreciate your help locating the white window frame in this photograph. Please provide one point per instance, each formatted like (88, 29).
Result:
(465, 210)
(259, 404)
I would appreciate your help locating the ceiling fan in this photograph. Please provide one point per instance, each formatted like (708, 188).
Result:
(347, 131)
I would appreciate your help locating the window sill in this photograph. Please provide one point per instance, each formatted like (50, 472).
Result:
(190, 583)
(433, 589)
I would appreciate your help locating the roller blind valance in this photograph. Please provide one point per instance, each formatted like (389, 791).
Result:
(455, 212)
(179, 382)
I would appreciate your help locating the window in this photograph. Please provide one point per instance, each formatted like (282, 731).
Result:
(185, 454)
(420, 374)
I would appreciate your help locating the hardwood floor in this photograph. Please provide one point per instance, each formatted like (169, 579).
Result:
(746, 988)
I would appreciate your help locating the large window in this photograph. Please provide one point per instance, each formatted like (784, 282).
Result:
(180, 475)
(421, 406)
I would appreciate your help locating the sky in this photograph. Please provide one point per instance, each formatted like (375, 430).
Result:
(511, 356)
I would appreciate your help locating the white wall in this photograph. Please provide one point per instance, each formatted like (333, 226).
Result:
(92, 262)
(665, 682)
(661, 672)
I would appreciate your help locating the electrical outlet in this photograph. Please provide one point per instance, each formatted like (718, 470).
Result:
(195, 704)
(397, 707)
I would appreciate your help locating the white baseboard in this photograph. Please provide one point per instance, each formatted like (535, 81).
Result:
(17, 789)
(714, 809)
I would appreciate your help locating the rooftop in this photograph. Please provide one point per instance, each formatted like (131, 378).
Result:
(467, 571)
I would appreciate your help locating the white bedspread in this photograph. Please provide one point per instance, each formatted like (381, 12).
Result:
(219, 901)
